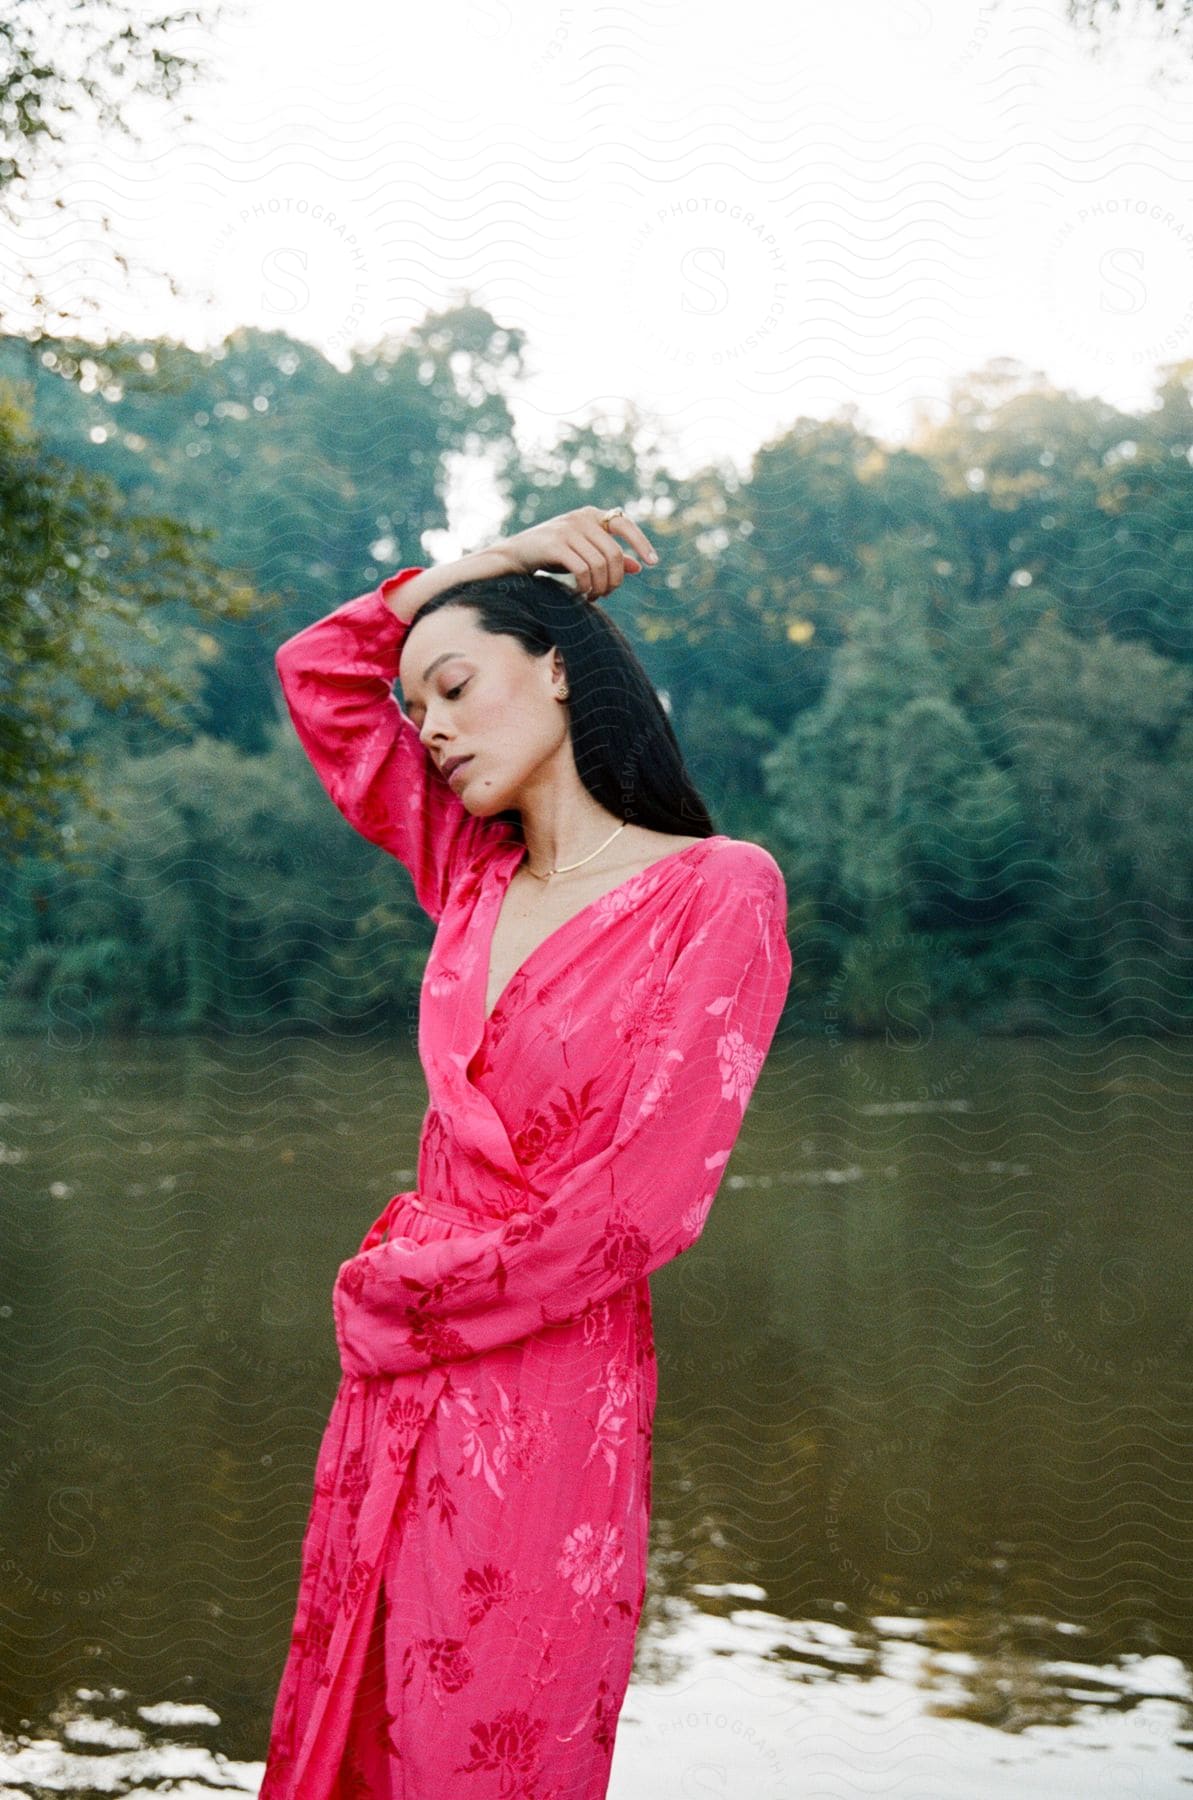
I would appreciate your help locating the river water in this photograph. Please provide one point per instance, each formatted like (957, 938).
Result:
(923, 1488)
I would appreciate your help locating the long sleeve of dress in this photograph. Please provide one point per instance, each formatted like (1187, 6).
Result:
(337, 676)
(641, 1200)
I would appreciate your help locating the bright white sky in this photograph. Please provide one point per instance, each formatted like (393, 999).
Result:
(731, 215)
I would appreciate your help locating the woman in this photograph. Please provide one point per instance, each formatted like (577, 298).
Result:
(605, 981)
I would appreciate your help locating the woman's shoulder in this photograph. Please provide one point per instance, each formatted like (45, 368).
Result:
(728, 856)
(733, 866)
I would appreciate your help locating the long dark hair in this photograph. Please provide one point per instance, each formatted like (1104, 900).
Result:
(625, 750)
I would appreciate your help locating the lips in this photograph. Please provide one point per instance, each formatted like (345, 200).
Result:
(452, 764)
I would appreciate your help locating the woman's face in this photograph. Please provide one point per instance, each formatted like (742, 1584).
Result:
(477, 694)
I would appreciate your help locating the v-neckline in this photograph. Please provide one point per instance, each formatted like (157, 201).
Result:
(506, 875)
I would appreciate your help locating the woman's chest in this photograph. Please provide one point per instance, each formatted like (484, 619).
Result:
(504, 965)
(541, 1079)
(527, 916)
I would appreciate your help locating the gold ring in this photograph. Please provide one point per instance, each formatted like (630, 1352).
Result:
(611, 514)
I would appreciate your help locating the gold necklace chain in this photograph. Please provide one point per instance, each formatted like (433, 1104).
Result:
(576, 865)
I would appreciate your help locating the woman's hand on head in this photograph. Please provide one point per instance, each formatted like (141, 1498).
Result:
(580, 545)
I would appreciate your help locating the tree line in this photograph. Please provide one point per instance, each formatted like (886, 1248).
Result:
(947, 683)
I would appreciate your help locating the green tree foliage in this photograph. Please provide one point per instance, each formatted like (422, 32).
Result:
(585, 463)
(954, 815)
(313, 480)
(948, 685)
(81, 584)
(1074, 494)
(1100, 743)
(889, 812)
(192, 905)
(90, 590)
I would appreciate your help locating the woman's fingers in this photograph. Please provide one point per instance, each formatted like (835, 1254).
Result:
(606, 555)
(589, 550)
(585, 557)
(618, 562)
(578, 561)
(633, 534)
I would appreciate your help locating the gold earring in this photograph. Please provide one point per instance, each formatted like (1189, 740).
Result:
(562, 694)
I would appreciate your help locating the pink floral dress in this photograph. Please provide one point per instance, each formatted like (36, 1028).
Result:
(474, 1565)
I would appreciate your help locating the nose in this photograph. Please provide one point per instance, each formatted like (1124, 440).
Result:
(429, 730)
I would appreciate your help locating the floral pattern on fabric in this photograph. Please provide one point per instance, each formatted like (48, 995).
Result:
(474, 1564)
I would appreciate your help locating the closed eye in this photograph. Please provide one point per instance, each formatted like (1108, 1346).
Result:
(415, 710)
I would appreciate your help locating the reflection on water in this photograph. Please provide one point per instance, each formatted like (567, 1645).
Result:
(922, 1482)
(750, 1704)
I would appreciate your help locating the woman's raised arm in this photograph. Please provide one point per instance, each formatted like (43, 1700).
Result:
(337, 676)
